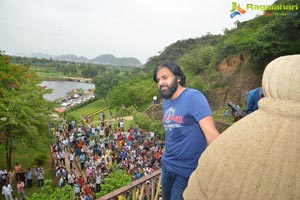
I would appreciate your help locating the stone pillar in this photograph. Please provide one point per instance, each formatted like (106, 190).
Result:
(258, 157)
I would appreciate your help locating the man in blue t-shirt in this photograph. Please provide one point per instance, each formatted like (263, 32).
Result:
(252, 99)
(189, 126)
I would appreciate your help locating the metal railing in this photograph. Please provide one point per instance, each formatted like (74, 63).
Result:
(148, 187)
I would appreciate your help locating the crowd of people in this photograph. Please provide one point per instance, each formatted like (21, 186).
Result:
(99, 147)
(17, 179)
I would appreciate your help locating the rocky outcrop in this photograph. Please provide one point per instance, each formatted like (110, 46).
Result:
(235, 78)
(155, 112)
(258, 156)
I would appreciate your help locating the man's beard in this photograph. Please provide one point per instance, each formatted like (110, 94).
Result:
(168, 93)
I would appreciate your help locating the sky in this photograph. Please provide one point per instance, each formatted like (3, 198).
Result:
(124, 28)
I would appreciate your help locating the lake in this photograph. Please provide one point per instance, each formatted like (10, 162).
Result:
(61, 88)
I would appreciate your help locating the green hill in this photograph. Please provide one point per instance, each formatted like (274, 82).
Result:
(226, 66)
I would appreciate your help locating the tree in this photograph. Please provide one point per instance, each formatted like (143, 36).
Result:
(147, 123)
(198, 60)
(89, 72)
(24, 113)
(137, 91)
(104, 82)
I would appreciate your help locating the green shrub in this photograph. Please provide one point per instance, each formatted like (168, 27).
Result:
(126, 111)
(40, 158)
(50, 192)
(145, 122)
(116, 179)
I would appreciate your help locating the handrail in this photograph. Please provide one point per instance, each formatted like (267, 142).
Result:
(137, 188)
(98, 111)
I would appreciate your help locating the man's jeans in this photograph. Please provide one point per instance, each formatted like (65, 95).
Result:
(173, 185)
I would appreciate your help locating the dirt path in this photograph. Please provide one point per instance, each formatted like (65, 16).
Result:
(75, 163)
(127, 118)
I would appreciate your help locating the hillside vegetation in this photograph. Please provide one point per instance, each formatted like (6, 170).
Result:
(226, 66)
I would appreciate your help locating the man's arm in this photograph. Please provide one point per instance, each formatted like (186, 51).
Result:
(208, 127)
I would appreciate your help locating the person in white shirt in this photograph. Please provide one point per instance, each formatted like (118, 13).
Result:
(71, 158)
(154, 99)
(98, 182)
(71, 178)
(3, 176)
(6, 191)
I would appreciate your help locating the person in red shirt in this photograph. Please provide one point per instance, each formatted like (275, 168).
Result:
(80, 181)
(87, 189)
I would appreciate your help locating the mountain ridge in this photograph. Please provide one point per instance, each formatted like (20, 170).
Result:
(109, 59)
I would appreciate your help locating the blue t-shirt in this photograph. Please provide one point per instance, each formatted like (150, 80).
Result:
(252, 99)
(185, 140)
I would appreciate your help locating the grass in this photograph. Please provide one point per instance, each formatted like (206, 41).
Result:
(89, 109)
(96, 107)
(43, 71)
(218, 115)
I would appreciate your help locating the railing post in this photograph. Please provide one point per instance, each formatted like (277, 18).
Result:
(142, 191)
(153, 181)
(134, 193)
(157, 189)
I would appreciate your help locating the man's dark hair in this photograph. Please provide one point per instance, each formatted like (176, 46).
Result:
(174, 68)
